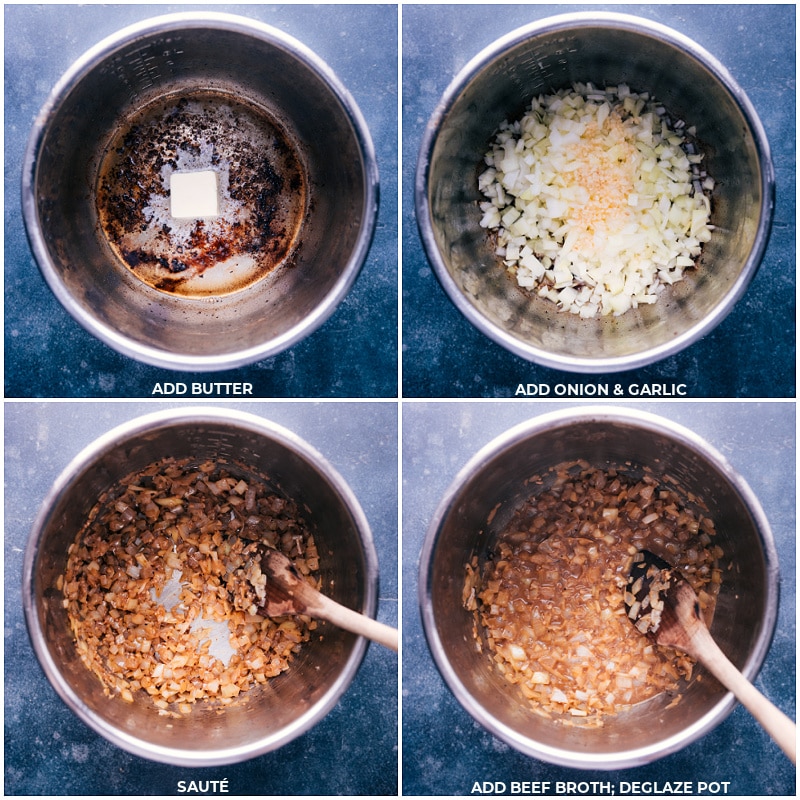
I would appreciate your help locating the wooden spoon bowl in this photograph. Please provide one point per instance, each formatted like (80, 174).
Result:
(663, 606)
(286, 593)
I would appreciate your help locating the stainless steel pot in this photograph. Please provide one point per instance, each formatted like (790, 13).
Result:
(289, 704)
(606, 49)
(175, 56)
(745, 615)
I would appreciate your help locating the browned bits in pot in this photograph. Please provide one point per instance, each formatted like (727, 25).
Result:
(155, 568)
(549, 601)
(262, 194)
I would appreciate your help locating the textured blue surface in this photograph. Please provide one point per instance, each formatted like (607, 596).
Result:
(49, 751)
(751, 353)
(354, 354)
(445, 751)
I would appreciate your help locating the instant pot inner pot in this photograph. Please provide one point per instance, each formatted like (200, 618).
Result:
(286, 704)
(740, 619)
(501, 89)
(285, 154)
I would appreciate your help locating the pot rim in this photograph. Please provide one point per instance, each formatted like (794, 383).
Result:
(161, 420)
(527, 430)
(617, 21)
(100, 52)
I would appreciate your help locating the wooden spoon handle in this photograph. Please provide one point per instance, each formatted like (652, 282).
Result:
(354, 622)
(771, 718)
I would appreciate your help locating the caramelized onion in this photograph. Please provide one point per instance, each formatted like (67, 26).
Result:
(177, 521)
(548, 602)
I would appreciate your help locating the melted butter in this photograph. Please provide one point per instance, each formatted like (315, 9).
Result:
(261, 194)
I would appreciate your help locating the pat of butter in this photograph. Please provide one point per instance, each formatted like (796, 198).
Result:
(193, 194)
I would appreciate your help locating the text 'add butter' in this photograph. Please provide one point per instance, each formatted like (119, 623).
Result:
(193, 194)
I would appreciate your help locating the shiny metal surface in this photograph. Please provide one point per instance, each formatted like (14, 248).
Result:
(169, 56)
(746, 611)
(606, 49)
(291, 703)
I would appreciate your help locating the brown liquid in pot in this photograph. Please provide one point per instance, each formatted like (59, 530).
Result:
(261, 183)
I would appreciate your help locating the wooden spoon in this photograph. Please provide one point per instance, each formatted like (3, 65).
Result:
(288, 593)
(663, 606)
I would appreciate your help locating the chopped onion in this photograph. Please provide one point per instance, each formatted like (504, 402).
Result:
(549, 603)
(597, 199)
(163, 524)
